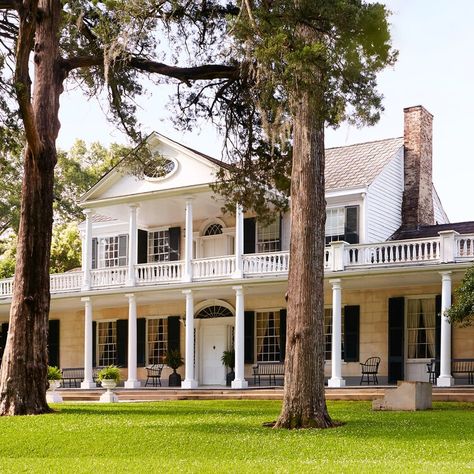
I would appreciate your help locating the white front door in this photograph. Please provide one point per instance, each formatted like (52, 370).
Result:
(214, 341)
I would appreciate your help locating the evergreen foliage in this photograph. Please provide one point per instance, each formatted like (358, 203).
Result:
(462, 310)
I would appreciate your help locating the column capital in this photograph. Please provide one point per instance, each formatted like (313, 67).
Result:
(238, 289)
(130, 296)
(336, 283)
(446, 275)
(189, 199)
(187, 292)
(88, 212)
(134, 205)
(86, 299)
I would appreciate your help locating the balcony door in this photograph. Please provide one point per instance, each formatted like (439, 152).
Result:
(214, 241)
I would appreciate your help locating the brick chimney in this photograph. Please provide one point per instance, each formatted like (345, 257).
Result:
(417, 206)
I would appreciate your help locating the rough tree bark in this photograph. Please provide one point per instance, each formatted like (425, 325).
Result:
(24, 373)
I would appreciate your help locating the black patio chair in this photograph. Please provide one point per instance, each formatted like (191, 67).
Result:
(153, 374)
(431, 369)
(370, 369)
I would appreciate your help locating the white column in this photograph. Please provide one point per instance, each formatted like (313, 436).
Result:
(336, 380)
(87, 251)
(132, 244)
(189, 381)
(445, 379)
(239, 342)
(239, 242)
(188, 244)
(132, 381)
(88, 381)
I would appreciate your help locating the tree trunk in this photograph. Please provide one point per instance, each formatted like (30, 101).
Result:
(23, 379)
(304, 403)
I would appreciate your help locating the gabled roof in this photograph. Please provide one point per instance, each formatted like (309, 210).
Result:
(428, 231)
(358, 165)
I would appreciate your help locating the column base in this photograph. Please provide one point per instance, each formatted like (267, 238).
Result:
(336, 382)
(242, 383)
(238, 274)
(87, 385)
(445, 381)
(132, 384)
(189, 384)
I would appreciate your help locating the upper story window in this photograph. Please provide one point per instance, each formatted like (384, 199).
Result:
(110, 251)
(268, 237)
(158, 246)
(342, 223)
(421, 328)
(213, 229)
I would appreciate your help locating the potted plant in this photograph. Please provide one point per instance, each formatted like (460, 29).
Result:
(174, 360)
(54, 377)
(228, 360)
(109, 376)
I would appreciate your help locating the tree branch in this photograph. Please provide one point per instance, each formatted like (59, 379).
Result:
(184, 74)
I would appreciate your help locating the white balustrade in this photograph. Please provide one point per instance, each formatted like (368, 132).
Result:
(62, 282)
(395, 252)
(464, 247)
(147, 273)
(104, 277)
(261, 263)
(6, 287)
(205, 268)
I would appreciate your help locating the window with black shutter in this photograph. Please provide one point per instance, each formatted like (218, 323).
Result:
(53, 343)
(342, 223)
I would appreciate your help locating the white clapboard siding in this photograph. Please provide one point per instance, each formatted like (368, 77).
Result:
(384, 201)
(440, 215)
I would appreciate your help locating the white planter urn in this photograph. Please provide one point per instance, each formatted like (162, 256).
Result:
(51, 395)
(108, 396)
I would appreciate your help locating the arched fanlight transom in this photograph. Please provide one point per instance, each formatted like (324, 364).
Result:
(214, 312)
(213, 229)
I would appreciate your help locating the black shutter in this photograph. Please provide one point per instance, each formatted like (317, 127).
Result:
(3, 340)
(250, 224)
(94, 252)
(94, 343)
(175, 242)
(122, 342)
(351, 333)
(438, 329)
(141, 341)
(53, 343)
(396, 330)
(173, 333)
(249, 339)
(142, 246)
(279, 247)
(282, 335)
(351, 228)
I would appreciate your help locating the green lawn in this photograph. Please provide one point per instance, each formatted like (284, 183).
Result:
(228, 436)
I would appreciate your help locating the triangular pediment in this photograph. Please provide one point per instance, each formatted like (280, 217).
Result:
(188, 168)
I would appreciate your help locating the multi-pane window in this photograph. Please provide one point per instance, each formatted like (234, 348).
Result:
(106, 343)
(268, 237)
(421, 328)
(157, 340)
(113, 251)
(268, 336)
(158, 246)
(328, 333)
(335, 221)
(342, 223)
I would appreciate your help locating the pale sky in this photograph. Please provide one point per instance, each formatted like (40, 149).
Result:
(435, 39)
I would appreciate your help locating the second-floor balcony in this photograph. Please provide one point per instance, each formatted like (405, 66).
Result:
(449, 247)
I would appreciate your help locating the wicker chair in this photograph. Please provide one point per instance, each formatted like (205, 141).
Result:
(153, 374)
(370, 370)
